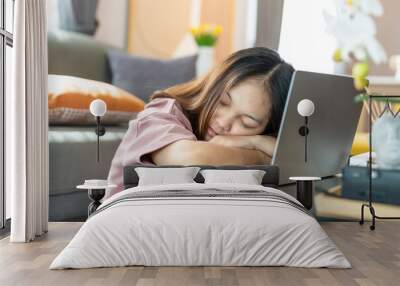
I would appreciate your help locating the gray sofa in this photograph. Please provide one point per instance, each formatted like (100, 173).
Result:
(78, 55)
(72, 149)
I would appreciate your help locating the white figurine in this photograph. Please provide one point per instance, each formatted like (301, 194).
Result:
(386, 141)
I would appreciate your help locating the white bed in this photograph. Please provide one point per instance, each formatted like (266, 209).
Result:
(201, 224)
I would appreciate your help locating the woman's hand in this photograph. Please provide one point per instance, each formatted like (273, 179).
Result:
(263, 143)
(234, 141)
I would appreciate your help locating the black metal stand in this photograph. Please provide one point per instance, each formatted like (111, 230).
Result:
(370, 202)
(304, 131)
(100, 131)
(95, 195)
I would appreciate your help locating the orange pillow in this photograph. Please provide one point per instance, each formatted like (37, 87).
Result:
(70, 97)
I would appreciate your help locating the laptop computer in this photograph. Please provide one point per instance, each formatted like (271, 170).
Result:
(331, 128)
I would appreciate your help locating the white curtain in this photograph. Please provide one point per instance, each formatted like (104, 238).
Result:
(27, 124)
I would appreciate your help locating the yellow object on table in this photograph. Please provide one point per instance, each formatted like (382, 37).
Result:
(360, 143)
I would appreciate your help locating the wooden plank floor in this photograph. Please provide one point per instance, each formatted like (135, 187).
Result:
(375, 257)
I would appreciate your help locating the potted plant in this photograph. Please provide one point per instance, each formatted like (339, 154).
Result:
(206, 36)
(354, 28)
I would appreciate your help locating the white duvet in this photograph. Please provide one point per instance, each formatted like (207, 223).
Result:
(182, 230)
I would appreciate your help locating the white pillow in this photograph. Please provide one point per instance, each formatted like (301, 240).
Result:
(163, 176)
(248, 177)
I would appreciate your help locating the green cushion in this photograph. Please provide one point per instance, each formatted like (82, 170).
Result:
(78, 55)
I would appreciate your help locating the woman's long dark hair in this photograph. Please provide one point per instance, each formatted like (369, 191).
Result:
(199, 98)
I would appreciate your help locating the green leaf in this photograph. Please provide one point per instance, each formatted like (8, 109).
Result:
(364, 97)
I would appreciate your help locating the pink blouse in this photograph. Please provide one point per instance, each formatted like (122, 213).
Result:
(162, 122)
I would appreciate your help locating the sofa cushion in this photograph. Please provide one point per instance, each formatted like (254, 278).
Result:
(70, 98)
(143, 76)
(78, 55)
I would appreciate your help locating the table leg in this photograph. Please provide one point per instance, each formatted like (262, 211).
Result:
(95, 195)
(305, 193)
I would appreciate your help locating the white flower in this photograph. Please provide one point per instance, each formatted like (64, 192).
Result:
(355, 30)
(376, 51)
(368, 7)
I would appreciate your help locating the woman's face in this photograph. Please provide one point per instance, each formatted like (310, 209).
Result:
(244, 110)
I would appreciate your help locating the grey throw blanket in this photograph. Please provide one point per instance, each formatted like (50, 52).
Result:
(207, 194)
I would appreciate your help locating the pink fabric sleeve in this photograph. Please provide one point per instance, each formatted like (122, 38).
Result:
(162, 122)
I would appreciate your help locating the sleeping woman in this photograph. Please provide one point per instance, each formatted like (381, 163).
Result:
(229, 117)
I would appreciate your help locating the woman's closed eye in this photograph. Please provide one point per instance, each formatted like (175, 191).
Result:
(225, 100)
(249, 122)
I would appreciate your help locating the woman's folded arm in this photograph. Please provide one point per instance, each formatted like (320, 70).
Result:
(188, 152)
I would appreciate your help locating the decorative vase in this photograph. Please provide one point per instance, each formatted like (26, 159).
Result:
(340, 68)
(205, 60)
(386, 141)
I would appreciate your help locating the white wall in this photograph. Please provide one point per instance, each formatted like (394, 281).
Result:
(112, 17)
(388, 31)
(303, 40)
(113, 20)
